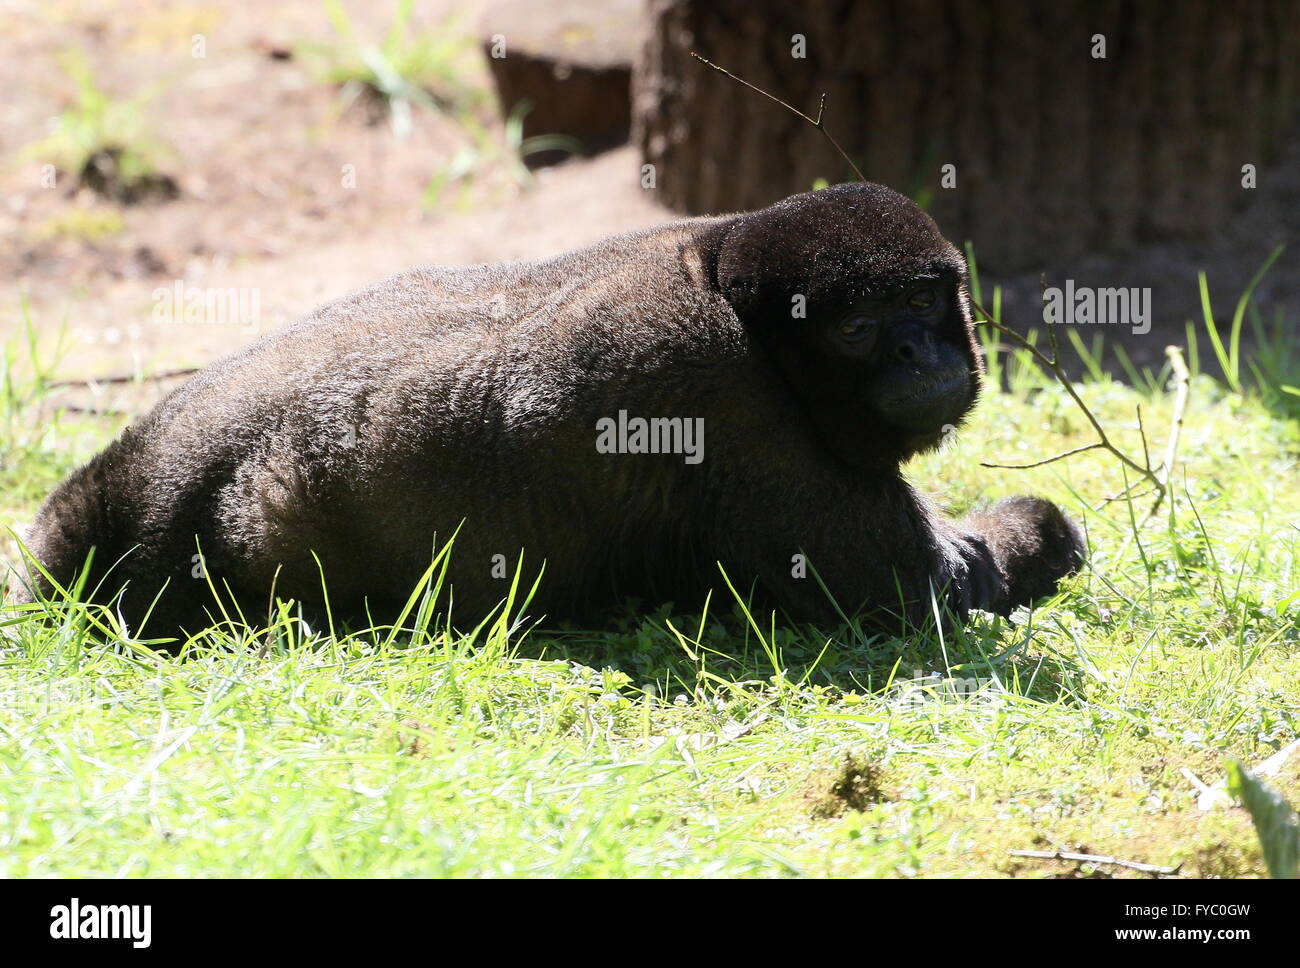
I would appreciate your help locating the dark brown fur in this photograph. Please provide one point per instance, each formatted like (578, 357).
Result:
(374, 427)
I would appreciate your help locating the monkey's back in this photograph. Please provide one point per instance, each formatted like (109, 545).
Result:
(378, 425)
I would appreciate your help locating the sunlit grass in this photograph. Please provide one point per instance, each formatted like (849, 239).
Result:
(670, 744)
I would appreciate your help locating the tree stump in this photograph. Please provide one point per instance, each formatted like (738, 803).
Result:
(571, 61)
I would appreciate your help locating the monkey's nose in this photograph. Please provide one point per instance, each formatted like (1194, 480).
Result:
(907, 351)
(911, 345)
(913, 349)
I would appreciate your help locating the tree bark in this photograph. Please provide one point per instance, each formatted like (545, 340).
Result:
(1053, 148)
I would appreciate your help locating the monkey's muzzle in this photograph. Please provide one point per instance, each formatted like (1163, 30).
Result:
(928, 402)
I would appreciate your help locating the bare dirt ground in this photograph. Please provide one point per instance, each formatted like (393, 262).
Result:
(259, 147)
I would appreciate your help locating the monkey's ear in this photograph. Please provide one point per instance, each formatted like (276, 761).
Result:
(756, 272)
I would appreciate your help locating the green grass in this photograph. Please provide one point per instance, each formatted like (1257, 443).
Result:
(96, 126)
(670, 745)
(408, 69)
(509, 149)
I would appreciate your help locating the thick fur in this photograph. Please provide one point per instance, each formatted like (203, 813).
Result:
(469, 397)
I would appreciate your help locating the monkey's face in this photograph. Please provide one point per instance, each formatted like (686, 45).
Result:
(898, 356)
(859, 303)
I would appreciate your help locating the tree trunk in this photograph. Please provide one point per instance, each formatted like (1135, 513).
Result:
(1053, 148)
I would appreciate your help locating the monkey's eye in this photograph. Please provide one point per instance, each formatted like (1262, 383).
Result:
(856, 328)
(922, 301)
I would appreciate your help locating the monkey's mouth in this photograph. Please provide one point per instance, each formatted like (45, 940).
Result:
(926, 403)
(928, 389)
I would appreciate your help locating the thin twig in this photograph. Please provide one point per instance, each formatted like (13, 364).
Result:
(1158, 479)
(821, 109)
(1097, 859)
(126, 378)
(1125, 494)
(1051, 330)
(1053, 365)
(1146, 451)
(1048, 460)
(1182, 385)
(95, 411)
(1121, 494)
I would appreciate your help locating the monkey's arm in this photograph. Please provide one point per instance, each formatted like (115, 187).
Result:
(781, 501)
(874, 544)
(1034, 544)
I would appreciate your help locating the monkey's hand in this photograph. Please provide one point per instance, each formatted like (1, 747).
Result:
(972, 574)
(1034, 545)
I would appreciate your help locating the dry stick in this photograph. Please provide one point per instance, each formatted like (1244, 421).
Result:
(1181, 389)
(1125, 494)
(1159, 481)
(1119, 495)
(1181, 380)
(1142, 431)
(1096, 859)
(1046, 460)
(96, 411)
(1054, 367)
(1182, 386)
(129, 378)
(821, 109)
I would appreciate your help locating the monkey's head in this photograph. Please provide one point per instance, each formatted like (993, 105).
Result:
(861, 306)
